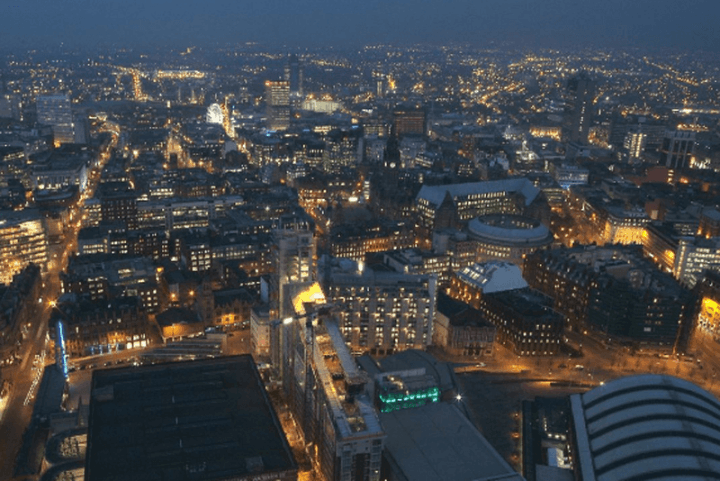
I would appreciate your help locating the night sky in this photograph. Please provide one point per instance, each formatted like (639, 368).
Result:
(682, 25)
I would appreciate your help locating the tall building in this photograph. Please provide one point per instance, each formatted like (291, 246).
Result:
(294, 73)
(579, 112)
(294, 258)
(677, 148)
(383, 312)
(327, 394)
(277, 95)
(55, 110)
(686, 257)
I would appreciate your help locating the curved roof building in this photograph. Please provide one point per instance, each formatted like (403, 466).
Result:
(510, 230)
(647, 427)
(508, 237)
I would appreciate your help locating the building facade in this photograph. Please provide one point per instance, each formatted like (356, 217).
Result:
(277, 96)
(611, 289)
(23, 241)
(328, 396)
(55, 110)
(384, 312)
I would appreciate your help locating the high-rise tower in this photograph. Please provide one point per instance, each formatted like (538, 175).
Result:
(55, 110)
(294, 75)
(677, 148)
(579, 111)
(277, 94)
(294, 257)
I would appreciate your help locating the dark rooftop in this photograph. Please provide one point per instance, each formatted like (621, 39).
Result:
(209, 419)
(459, 313)
(177, 315)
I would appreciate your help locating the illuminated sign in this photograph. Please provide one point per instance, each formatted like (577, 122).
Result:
(60, 356)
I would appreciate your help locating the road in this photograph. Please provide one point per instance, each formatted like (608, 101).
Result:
(24, 376)
(600, 363)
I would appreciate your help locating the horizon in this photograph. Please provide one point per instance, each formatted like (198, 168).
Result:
(643, 24)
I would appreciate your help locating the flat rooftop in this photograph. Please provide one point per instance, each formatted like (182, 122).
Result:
(209, 419)
(437, 442)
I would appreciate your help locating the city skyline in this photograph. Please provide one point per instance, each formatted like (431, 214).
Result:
(662, 24)
(266, 260)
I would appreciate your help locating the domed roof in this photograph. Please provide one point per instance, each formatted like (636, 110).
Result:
(647, 427)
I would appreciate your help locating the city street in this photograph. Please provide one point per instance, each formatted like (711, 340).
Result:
(18, 411)
(25, 375)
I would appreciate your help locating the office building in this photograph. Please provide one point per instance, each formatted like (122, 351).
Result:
(260, 331)
(176, 214)
(277, 98)
(416, 261)
(634, 144)
(327, 393)
(56, 111)
(342, 150)
(567, 175)
(10, 106)
(580, 108)
(118, 203)
(461, 330)
(382, 311)
(611, 289)
(355, 241)
(652, 130)
(706, 315)
(62, 168)
(101, 277)
(525, 321)
(709, 223)
(508, 238)
(18, 306)
(209, 419)
(23, 241)
(677, 148)
(645, 427)
(459, 246)
(408, 121)
(294, 73)
(686, 257)
(294, 251)
(97, 327)
(454, 205)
